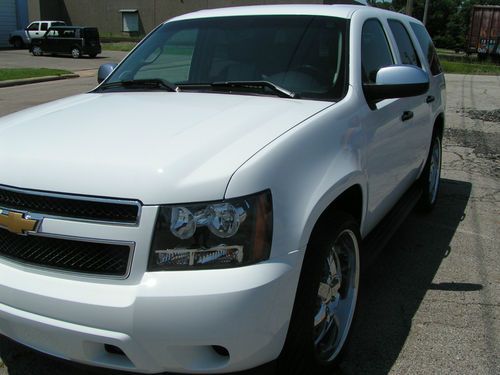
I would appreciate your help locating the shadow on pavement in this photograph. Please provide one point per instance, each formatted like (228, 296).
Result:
(390, 295)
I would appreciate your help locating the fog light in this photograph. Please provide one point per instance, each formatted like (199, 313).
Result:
(181, 258)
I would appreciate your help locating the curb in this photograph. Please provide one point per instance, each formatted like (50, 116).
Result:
(27, 81)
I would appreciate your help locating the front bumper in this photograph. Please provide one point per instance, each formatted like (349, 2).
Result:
(168, 321)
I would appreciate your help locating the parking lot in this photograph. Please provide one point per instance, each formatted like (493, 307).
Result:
(430, 302)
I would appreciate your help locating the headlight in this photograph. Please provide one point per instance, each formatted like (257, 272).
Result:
(230, 233)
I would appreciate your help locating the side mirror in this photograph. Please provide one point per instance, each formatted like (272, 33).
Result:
(397, 81)
(104, 71)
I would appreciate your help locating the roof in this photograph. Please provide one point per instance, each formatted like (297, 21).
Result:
(342, 11)
(73, 27)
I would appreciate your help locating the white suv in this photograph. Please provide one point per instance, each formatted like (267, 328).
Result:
(208, 206)
(35, 30)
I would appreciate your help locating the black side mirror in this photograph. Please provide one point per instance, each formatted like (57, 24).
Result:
(397, 81)
(104, 71)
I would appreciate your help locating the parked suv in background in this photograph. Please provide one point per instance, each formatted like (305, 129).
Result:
(35, 29)
(208, 207)
(70, 40)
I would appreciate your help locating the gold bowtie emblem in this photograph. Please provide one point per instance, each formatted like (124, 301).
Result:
(15, 222)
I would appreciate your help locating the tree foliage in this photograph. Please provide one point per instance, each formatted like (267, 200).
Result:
(447, 20)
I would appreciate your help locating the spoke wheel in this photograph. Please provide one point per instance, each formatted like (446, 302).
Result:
(435, 169)
(336, 297)
(325, 302)
(431, 176)
(75, 53)
(37, 51)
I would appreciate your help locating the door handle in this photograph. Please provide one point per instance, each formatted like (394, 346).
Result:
(406, 115)
(430, 99)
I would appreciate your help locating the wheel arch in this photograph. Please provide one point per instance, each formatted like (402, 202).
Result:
(350, 200)
(439, 125)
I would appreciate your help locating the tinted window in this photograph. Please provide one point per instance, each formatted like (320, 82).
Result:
(304, 54)
(71, 33)
(44, 26)
(375, 52)
(33, 27)
(58, 24)
(427, 47)
(407, 52)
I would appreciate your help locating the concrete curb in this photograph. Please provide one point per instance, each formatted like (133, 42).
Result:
(27, 81)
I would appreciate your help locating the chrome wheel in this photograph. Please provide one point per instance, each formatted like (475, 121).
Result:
(37, 51)
(75, 52)
(336, 297)
(434, 170)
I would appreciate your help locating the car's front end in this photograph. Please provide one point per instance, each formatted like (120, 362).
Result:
(127, 239)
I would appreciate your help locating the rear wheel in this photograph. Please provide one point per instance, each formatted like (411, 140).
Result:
(75, 52)
(325, 301)
(18, 43)
(431, 175)
(36, 51)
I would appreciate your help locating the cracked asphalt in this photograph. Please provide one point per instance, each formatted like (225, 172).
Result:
(431, 301)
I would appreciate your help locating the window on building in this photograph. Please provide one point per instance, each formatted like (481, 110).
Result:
(130, 20)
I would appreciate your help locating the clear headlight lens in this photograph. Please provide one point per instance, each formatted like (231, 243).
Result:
(232, 233)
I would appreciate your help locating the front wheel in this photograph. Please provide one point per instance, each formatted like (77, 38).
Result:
(431, 175)
(326, 299)
(75, 53)
(36, 51)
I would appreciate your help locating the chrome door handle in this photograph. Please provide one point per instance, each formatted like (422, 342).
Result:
(430, 99)
(406, 115)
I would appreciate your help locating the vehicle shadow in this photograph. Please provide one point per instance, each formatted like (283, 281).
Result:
(390, 295)
(397, 281)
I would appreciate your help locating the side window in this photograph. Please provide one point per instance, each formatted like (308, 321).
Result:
(406, 49)
(375, 52)
(427, 47)
(33, 26)
(44, 26)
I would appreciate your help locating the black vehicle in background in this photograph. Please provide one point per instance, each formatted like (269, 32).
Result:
(72, 40)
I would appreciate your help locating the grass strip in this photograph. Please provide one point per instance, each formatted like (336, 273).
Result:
(467, 68)
(121, 46)
(20, 73)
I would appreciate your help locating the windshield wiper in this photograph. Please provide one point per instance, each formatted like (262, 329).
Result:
(156, 83)
(278, 90)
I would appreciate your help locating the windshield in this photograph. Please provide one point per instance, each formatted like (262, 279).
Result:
(303, 54)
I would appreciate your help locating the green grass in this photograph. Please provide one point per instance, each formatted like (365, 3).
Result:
(19, 73)
(467, 68)
(121, 46)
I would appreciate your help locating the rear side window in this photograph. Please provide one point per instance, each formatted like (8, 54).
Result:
(375, 52)
(427, 47)
(44, 26)
(58, 24)
(407, 51)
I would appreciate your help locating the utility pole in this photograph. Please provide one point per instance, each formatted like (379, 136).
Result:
(426, 9)
(409, 7)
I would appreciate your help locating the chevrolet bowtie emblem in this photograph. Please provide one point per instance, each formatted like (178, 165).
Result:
(17, 222)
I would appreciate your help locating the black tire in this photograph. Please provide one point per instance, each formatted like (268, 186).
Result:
(301, 354)
(430, 182)
(36, 51)
(18, 43)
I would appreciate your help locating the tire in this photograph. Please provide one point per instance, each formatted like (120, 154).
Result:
(324, 291)
(36, 51)
(430, 179)
(18, 43)
(75, 52)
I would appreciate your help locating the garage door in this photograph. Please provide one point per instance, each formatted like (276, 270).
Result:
(8, 21)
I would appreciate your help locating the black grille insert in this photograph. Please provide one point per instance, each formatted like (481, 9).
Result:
(69, 255)
(76, 208)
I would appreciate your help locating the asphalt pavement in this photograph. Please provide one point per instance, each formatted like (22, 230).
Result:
(430, 302)
(22, 58)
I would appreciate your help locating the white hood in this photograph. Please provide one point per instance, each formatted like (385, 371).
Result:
(151, 146)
